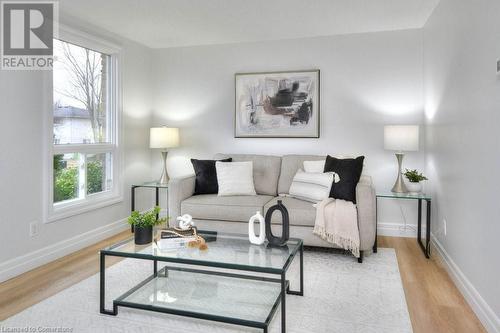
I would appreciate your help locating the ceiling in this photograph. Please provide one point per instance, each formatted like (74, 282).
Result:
(174, 23)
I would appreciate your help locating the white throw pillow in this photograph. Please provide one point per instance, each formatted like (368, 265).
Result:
(312, 186)
(235, 178)
(314, 166)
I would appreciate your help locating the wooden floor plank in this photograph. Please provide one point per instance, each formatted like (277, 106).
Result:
(40, 283)
(434, 303)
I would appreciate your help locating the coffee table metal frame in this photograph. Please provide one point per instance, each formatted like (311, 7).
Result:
(281, 272)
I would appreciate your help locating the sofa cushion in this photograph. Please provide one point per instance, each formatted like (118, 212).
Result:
(266, 171)
(206, 176)
(300, 212)
(349, 170)
(235, 178)
(290, 164)
(228, 208)
(314, 166)
(312, 186)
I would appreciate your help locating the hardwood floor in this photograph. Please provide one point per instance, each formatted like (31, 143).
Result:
(434, 303)
(40, 283)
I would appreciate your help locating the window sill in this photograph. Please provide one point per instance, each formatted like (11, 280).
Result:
(57, 214)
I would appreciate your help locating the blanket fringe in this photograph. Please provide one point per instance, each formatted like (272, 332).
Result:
(344, 243)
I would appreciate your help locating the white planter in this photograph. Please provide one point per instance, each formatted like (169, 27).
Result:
(414, 188)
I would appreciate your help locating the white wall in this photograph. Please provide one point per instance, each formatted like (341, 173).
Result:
(367, 80)
(21, 163)
(462, 107)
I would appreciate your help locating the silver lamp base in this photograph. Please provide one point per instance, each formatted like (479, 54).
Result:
(164, 175)
(399, 185)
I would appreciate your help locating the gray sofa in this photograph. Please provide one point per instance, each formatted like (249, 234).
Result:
(272, 176)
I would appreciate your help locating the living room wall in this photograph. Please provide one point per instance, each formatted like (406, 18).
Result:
(21, 164)
(462, 103)
(367, 81)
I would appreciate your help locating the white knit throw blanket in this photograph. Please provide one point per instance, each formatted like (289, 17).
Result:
(337, 223)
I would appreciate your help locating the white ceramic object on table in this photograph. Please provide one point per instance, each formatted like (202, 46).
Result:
(254, 239)
(414, 187)
(185, 221)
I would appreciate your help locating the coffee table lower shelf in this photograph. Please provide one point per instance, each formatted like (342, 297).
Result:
(218, 296)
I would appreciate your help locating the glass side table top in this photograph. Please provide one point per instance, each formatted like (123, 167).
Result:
(151, 184)
(224, 250)
(414, 196)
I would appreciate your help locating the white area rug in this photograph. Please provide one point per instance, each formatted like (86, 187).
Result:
(340, 296)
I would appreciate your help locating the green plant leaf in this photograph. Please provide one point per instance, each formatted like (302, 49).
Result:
(147, 218)
(414, 176)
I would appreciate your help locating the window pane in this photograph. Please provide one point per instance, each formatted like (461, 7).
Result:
(98, 173)
(81, 112)
(66, 177)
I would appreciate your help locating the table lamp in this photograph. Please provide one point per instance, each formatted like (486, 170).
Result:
(163, 138)
(400, 138)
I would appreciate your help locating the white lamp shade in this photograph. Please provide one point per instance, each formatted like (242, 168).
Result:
(401, 137)
(163, 137)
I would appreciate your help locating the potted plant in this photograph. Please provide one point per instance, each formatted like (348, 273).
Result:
(415, 177)
(143, 225)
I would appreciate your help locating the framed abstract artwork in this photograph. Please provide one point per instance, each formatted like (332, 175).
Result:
(277, 104)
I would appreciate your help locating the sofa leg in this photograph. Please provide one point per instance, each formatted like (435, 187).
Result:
(360, 259)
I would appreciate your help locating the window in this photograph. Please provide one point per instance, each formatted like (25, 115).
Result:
(71, 182)
(84, 154)
(81, 86)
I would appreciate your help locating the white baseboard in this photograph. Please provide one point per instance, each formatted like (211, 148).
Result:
(398, 230)
(484, 312)
(19, 265)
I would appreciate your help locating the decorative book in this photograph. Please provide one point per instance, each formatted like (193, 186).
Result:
(177, 233)
(172, 238)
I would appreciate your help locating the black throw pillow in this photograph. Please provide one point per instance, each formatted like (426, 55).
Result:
(206, 176)
(349, 171)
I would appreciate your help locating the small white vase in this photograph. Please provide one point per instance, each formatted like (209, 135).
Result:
(262, 229)
(414, 188)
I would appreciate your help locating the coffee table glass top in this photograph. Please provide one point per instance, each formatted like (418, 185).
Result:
(224, 250)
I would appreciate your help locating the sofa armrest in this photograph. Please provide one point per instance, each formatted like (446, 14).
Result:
(179, 189)
(367, 213)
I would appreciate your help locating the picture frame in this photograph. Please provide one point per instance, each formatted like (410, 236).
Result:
(281, 104)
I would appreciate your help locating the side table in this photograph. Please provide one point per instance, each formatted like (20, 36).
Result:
(419, 197)
(157, 186)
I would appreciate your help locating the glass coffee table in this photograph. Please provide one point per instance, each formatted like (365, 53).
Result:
(231, 282)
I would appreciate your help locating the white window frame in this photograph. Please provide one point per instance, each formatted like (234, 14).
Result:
(54, 212)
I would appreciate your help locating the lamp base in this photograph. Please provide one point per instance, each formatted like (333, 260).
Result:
(164, 175)
(399, 185)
